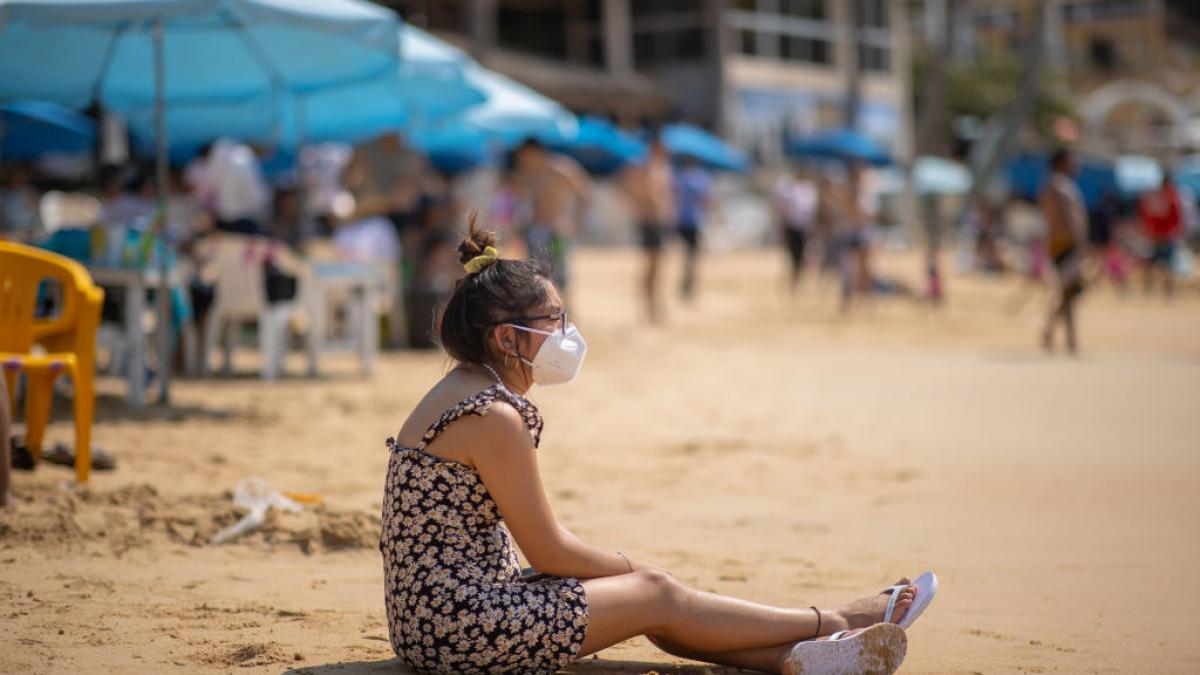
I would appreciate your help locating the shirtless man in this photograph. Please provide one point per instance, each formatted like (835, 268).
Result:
(650, 187)
(557, 191)
(1066, 224)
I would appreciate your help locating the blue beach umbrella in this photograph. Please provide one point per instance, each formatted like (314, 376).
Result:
(30, 129)
(685, 140)
(845, 144)
(457, 147)
(599, 146)
(134, 54)
(510, 113)
(514, 111)
(430, 84)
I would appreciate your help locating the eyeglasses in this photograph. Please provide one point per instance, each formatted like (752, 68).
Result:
(560, 317)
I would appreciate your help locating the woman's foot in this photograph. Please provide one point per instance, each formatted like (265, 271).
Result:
(869, 611)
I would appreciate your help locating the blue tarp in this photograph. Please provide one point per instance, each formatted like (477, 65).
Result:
(685, 140)
(844, 144)
(30, 129)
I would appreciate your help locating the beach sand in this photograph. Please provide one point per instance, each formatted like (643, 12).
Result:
(756, 446)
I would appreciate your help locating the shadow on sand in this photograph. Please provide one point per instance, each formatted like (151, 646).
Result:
(584, 667)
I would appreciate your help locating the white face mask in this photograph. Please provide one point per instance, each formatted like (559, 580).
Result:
(560, 357)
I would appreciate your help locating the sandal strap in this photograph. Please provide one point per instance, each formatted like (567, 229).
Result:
(891, 608)
(838, 635)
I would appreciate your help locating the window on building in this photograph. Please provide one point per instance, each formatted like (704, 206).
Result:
(807, 50)
(873, 35)
(872, 13)
(538, 31)
(805, 9)
(749, 43)
(689, 44)
(596, 54)
(643, 49)
(652, 7)
(872, 58)
(1102, 55)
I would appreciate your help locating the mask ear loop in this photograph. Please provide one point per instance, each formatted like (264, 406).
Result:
(521, 363)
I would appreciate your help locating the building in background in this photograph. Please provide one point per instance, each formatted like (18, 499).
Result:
(751, 70)
(1132, 66)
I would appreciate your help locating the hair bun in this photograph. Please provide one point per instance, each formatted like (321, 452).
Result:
(476, 240)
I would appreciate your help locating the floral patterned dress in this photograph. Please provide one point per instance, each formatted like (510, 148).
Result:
(455, 599)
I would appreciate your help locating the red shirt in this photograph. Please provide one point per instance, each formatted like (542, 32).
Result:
(1161, 213)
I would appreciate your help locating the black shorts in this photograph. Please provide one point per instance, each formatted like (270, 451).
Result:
(1163, 253)
(652, 236)
(795, 241)
(690, 237)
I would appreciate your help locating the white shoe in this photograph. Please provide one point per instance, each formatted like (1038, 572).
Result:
(878, 650)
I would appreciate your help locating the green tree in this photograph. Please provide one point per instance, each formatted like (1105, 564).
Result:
(983, 87)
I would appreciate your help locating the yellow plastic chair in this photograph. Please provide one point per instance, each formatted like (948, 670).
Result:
(69, 337)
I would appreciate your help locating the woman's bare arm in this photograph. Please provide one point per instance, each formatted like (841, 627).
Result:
(507, 461)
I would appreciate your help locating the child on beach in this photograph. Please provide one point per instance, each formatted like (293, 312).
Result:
(465, 461)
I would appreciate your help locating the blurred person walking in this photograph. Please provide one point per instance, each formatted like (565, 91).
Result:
(650, 187)
(850, 237)
(557, 191)
(797, 204)
(693, 203)
(1161, 212)
(1067, 236)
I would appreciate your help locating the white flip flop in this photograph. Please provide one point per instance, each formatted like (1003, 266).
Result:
(926, 585)
(878, 650)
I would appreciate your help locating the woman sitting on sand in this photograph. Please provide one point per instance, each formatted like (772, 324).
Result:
(465, 460)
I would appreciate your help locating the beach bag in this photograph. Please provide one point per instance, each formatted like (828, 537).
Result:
(278, 285)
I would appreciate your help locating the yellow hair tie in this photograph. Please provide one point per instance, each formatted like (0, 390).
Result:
(481, 261)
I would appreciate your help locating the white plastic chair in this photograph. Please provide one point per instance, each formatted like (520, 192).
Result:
(354, 288)
(236, 264)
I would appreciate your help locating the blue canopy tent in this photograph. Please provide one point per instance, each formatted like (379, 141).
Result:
(131, 54)
(30, 129)
(685, 140)
(844, 144)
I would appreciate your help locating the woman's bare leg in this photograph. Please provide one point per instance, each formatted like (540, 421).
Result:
(717, 628)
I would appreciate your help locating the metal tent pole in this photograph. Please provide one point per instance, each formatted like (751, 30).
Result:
(163, 301)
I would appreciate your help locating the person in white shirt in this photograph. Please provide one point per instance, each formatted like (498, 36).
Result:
(796, 200)
(229, 184)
